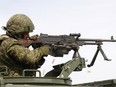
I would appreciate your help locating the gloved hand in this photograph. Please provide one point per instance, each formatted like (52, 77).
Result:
(45, 49)
(34, 37)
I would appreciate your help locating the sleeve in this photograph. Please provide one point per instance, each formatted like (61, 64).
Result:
(24, 54)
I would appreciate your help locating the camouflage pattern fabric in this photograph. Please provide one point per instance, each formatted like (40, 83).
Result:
(17, 57)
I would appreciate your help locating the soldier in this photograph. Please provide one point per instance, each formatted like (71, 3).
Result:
(13, 52)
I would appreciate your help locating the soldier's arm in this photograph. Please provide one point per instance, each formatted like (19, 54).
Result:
(23, 54)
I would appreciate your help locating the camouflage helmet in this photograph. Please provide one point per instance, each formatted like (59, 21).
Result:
(19, 23)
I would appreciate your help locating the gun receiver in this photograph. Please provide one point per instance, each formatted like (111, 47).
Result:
(62, 44)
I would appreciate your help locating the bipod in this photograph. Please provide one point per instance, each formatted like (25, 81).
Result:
(99, 48)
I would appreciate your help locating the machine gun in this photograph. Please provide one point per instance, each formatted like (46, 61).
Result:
(62, 44)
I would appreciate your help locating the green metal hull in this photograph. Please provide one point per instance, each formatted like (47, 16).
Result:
(50, 82)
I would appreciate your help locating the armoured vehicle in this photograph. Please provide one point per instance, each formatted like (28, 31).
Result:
(50, 82)
(58, 77)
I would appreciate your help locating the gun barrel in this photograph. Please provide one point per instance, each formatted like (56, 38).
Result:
(82, 41)
(97, 40)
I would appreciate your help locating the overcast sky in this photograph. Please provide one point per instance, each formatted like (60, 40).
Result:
(91, 18)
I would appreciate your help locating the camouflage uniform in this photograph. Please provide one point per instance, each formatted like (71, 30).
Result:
(15, 56)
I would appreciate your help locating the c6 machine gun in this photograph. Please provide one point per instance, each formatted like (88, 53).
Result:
(62, 44)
